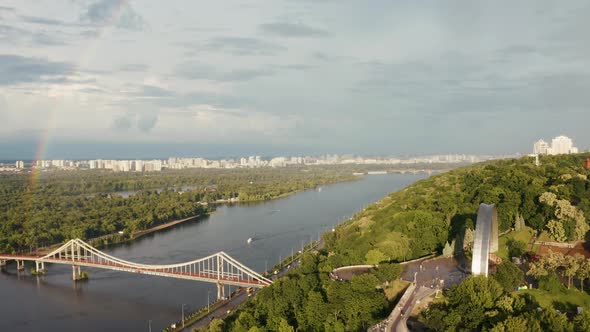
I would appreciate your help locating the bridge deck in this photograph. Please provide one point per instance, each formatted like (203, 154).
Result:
(218, 268)
(208, 277)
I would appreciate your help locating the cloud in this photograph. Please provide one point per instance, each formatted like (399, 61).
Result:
(297, 66)
(218, 100)
(155, 91)
(13, 35)
(147, 121)
(103, 11)
(89, 33)
(122, 123)
(243, 46)
(46, 21)
(519, 50)
(144, 121)
(6, 9)
(297, 30)
(44, 39)
(206, 72)
(15, 69)
(134, 67)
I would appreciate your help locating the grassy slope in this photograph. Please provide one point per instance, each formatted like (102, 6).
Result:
(568, 300)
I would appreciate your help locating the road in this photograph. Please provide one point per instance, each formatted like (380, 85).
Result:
(221, 312)
(238, 299)
(346, 273)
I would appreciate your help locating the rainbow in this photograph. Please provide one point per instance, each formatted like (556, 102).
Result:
(87, 53)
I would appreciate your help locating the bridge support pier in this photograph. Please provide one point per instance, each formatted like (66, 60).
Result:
(220, 291)
(76, 273)
(20, 265)
(39, 267)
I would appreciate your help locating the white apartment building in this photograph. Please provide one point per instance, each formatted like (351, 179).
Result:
(541, 147)
(559, 145)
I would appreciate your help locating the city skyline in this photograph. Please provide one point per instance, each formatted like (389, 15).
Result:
(156, 165)
(304, 77)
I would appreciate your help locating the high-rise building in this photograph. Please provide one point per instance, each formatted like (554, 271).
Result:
(540, 147)
(20, 164)
(559, 145)
(138, 166)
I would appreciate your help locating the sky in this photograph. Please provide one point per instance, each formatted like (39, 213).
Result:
(152, 78)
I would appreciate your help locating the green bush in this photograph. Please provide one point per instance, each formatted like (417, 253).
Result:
(508, 275)
(551, 284)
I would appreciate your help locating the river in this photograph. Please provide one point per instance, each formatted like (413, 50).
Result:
(120, 301)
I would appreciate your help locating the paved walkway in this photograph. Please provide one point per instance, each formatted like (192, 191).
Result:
(427, 277)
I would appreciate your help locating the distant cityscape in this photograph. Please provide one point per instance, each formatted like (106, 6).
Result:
(156, 165)
(559, 145)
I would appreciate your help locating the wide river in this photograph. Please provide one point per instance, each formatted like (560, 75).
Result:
(120, 301)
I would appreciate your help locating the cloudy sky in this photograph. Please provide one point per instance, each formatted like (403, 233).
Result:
(306, 76)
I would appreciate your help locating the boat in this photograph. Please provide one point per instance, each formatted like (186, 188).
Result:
(249, 240)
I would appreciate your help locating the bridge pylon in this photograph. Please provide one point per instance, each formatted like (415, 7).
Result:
(40, 267)
(20, 265)
(220, 291)
(76, 273)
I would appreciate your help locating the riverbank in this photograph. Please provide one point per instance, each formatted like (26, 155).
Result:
(117, 238)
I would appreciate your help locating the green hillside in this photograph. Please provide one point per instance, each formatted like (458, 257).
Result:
(415, 222)
(423, 217)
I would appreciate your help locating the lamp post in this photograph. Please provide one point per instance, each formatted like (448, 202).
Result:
(150, 325)
(183, 315)
(208, 301)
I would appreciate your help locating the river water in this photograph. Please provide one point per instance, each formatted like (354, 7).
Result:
(120, 301)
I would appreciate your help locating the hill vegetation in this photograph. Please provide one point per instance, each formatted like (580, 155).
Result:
(423, 218)
(426, 217)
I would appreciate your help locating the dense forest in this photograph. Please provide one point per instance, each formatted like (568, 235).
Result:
(553, 198)
(59, 205)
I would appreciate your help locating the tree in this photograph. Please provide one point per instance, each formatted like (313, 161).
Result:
(583, 271)
(519, 222)
(551, 320)
(551, 284)
(537, 269)
(448, 250)
(387, 271)
(582, 321)
(375, 257)
(216, 325)
(508, 275)
(315, 311)
(285, 327)
(468, 239)
(516, 248)
(556, 230)
(571, 267)
(475, 299)
(514, 324)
